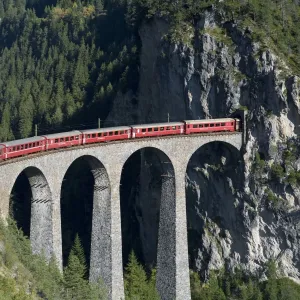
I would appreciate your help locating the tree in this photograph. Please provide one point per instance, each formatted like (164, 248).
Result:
(75, 285)
(136, 283)
(271, 286)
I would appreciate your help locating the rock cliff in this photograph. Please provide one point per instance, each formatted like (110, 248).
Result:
(242, 208)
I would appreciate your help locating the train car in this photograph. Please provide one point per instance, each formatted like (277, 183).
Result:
(2, 151)
(106, 134)
(63, 139)
(157, 129)
(211, 125)
(23, 147)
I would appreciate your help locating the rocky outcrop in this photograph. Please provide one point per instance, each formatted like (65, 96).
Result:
(231, 218)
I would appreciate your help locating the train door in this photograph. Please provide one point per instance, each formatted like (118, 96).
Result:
(181, 129)
(133, 132)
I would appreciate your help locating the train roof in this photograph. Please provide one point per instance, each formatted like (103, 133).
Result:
(106, 129)
(208, 121)
(62, 134)
(158, 125)
(23, 141)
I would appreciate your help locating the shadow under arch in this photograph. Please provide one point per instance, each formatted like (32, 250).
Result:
(147, 199)
(31, 207)
(85, 210)
(214, 184)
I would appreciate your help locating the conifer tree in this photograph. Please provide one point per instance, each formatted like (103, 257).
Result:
(76, 286)
(136, 283)
(79, 251)
(271, 286)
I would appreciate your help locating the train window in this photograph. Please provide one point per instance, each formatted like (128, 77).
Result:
(150, 129)
(116, 133)
(211, 125)
(195, 126)
(26, 146)
(77, 137)
(206, 125)
(173, 127)
(200, 125)
(93, 135)
(105, 133)
(56, 141)
(144, 129)
(222, 124)
(161, 128)
(155, 129)
(71, 138)
(121, 131)
(110, 133)
(14, 148)
(168, 128)
(62, 139)
(231, 123)
(218, 124)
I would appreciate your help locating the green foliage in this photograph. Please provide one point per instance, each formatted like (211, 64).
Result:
(34, 276)
(240, 285)
(51, 63)
(137, 285)
(259, 164)
(79, 252)
(277, 171)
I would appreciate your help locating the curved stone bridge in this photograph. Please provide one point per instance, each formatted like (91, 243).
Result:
(46, 172)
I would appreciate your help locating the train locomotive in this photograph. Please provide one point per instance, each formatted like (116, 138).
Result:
(22, 147)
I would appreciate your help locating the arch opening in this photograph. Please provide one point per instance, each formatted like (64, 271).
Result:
(85, 205)
(20, 203)
(214, 181)
(31, 207)
(147, 197)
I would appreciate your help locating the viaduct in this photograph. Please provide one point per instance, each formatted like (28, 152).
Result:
(46, 171)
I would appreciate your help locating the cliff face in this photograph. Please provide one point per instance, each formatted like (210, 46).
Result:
(239, 212)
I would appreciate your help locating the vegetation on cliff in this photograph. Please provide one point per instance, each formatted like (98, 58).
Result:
(275, 24)
(62, 62)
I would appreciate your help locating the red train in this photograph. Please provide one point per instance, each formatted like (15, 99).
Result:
(75, 138)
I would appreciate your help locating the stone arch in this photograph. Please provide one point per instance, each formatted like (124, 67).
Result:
(41, 236)
(100, 255)
(214, 204)
(165, 221)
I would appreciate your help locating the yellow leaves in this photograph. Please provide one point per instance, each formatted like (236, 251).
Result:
(86, 11)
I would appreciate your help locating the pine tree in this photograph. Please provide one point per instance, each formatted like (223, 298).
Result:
(75, 285)
(271, 286)
(79, 251)
(135, 281)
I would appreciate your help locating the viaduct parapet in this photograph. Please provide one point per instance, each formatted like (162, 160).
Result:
(46, 172)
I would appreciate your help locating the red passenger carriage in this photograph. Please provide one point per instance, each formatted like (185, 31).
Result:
(22, 147)
(106, 134)
(211, 125)
(63, 139)
(157, 129)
